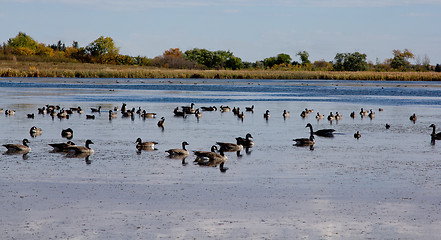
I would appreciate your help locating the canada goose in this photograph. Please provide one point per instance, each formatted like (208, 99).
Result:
(67, 133)
(285, 114)
(148, 115)
(35, 130)
(178, 151)
(303, 114)
(198, 114)
(31, 115)
(9, 112)
(61, 147)
(96, 109)
(18, 148)
(90, 117)
(161, 122)
(179, 113)
(363, 112)
(79, 110)
(188, 109)
(116, 109)
(225, 108)
(319, 116)
(352, 115)
(338, 116)
(266, 115)
(42, 110)
(231, 147)
(236, 110)
(145, 145)
(241, 116)
(371, 114)
(249, 109)
(112, 114)
(322, 132)
(139, 111)
(203, 155)
(81, 149)
(308, 111)
(357, 135)
(123, 108)
(246, 142)
(413, 118)
(62, 114)
(306, 141)
(210, 109)
(331, 117)
(387, 126)
(434, 135)
(213, 159)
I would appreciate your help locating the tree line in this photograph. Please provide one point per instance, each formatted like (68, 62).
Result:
(103, 51)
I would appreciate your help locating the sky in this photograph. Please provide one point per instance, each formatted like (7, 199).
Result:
(251, 29)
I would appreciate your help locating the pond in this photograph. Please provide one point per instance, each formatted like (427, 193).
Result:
(385, 184)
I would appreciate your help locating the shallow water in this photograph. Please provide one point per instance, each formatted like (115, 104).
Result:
(386, 184)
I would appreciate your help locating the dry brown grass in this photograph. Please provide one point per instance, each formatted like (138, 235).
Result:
(10, 68)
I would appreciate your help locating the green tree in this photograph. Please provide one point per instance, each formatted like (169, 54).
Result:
(350, 62)
(283, 58)
(102, 46)
(401, 59)
(304, 57)
(217, 59)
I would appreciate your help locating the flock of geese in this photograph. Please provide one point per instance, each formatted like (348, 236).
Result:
(214, 157)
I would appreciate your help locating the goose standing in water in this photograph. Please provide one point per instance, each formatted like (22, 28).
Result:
(81, 149)
(363, 112)
(319, 116)
(112, 114)
(285, 114)
(322, 132)
(413, 118)
(331, 117)
(357, 135)
(434, 135)
(352, 115)
(149, 146)
(266, 115)
(178, 152)
(371, 114)
(18, 148)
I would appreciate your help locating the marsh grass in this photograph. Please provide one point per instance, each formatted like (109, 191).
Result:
(13, 68)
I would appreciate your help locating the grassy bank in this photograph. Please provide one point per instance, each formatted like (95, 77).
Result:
(79, 70)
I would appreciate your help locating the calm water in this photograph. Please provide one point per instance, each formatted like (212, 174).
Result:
(385, 184)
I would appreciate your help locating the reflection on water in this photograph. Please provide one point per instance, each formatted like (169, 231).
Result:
(386, 180)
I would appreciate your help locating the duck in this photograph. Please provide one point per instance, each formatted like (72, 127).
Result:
(319, 116)
(61, 147)
(249, 109)
(434, 135)
(145, 114)
(34, 131)
(322, 132)
(18, 148)
(161, 123)
(212, 159)
(178, 151)
(331, 117)
(371, 114)
(245, 142)
(140, 145)
(285, 114)
(357, 135)
(413, 118)
(112, 114)
(67, 133)
(81, 149)
(266, 115)
(96, 109)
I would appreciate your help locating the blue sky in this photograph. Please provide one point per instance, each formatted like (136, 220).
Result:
(252, 30)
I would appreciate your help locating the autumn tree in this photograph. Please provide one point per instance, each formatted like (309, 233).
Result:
(22, 44)
(173, 52)
(401, 59)
(103, 50)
